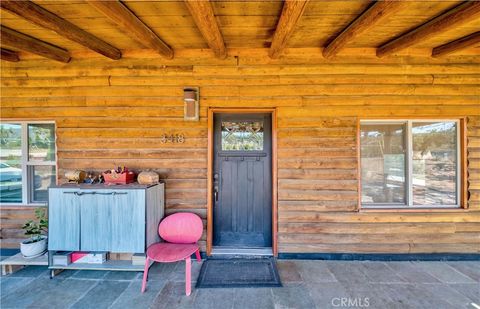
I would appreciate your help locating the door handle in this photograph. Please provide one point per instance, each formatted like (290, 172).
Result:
(215, 187)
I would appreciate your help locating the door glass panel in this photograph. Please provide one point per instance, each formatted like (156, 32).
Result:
(434, 163)
(383, 163)
(242, 135)
(41, 142)
(10, 163)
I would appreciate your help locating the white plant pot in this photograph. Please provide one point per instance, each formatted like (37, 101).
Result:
(34, 249)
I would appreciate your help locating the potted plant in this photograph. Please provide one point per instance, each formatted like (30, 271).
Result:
(36, 245)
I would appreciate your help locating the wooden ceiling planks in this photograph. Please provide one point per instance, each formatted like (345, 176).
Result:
(377, 12)
(247, 24)
(462, 13)
(132, 25)
(12, 38)
(247, 8)
(412, 14)
(450, 34)
(99, 26)
(243, 24)
(323, 19)
(91, 20)
(44, 18)
(172, 21)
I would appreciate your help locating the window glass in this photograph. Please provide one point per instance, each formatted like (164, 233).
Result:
(434, 163)
(41, 142)
(11, 163)
(42, 177)
(27, 162)
(383, 163)
(242, 136)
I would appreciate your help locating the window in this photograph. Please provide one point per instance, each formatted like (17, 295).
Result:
(27, 162)
(412, 163)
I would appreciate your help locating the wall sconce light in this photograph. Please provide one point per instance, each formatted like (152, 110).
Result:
(191, 103)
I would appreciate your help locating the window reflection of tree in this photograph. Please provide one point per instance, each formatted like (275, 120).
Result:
(434, 163)
(383, 167)
(41, 139)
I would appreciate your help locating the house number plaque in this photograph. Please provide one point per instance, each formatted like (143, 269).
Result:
(172, 138)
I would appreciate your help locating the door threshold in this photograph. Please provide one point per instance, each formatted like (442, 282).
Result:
(227, 252)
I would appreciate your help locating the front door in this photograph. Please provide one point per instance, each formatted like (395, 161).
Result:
(242, 180)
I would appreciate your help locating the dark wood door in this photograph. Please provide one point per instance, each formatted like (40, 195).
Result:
(242, 177)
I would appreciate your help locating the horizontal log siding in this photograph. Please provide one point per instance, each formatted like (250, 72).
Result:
(111, 113)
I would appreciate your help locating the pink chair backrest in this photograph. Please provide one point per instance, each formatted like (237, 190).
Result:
(181, 228)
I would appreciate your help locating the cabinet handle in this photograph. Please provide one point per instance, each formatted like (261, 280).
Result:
(109, 193)
(80, 193)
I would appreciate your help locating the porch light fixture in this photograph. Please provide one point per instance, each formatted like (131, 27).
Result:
(191, 102)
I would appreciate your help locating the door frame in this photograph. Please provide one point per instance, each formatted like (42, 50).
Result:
(210, 123)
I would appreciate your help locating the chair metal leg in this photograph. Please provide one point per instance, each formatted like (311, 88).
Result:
(188, 276)
(145, 274)
(197, 254)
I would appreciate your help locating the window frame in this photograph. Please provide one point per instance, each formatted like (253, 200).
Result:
(409, 206)
(26, 164)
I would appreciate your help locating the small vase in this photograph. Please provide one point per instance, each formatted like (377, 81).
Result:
(33, 249)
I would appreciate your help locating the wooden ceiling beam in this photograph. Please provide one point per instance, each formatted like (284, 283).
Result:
(459, 44)
(204, 17)
(291, 13)
(9, 55)
(46, 19)
(462, 13)
(373, 15)
(121, 15)
(15, 39)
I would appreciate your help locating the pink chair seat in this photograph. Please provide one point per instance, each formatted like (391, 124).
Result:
(181, 232)
(167, 252)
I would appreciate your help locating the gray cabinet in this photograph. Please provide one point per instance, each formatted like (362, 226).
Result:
(104, 218)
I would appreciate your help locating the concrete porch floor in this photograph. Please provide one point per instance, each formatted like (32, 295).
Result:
(307, 284)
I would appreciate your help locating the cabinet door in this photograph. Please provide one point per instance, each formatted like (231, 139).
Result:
(128, 221)
(95, 209)
(64, 220)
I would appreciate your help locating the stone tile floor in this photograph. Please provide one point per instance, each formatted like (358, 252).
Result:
(307, 284)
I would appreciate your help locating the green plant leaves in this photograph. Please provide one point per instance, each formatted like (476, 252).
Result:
(35, 229)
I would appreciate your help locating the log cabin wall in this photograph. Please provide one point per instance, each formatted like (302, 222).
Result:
(111, 113)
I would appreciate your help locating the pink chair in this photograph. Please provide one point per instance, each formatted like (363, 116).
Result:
(181, 231)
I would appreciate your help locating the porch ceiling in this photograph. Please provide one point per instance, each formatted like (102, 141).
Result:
(252, 24)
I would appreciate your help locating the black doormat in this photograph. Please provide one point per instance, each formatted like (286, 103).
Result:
(244, 273)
